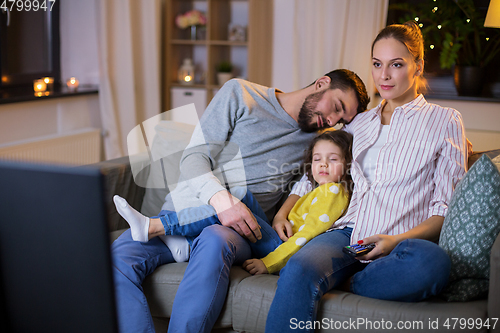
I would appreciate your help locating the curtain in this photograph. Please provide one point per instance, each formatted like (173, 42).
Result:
(129, 52)
(313, 37)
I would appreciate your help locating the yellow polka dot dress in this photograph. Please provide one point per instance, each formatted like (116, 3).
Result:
(313, 214)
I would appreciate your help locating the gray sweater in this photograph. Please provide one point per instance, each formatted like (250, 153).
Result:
(244, 138)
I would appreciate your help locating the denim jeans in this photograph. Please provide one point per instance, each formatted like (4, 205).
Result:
(416, 269)
(132, 262)
(190, 222)
(203, 289)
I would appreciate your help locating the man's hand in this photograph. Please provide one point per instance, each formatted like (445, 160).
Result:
(234, 214)
(255, 266)
(283, 228)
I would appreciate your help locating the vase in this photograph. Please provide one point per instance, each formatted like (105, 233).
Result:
(193, 32)
(469, 80)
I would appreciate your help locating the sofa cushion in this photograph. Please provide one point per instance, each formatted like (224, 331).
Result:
(470, 229)
(346, 312)
(161, 286)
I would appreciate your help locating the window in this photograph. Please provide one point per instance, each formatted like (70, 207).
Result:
(29, 46)
(441, 81)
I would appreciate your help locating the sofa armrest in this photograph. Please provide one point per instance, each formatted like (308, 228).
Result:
(494, 292)
(118, 179)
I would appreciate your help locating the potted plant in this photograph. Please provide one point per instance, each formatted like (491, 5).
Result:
(224, 72)
(455, 29)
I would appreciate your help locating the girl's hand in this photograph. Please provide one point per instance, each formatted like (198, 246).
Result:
(384, 245)
(280, 222)
(283, 228)
(255, 266)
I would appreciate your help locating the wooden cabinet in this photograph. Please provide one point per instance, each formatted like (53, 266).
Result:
(252, 58)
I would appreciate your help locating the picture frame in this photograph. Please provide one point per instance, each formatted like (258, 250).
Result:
(237, 33)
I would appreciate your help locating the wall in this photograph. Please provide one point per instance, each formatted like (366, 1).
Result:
(481, 121)
(28, 120)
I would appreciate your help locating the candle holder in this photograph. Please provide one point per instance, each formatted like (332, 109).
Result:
(186, 72)
(72, 84)
(39, 87)
(49, 81)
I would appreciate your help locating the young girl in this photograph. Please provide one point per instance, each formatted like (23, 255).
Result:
(408, 156)
(326, 163)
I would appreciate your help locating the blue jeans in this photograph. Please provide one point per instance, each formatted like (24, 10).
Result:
(416, 269)
(190, 222)
(203, 289)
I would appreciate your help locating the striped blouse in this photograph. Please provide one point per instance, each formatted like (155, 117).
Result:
(416, 172)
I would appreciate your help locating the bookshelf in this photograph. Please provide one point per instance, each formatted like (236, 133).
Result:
(251, 57)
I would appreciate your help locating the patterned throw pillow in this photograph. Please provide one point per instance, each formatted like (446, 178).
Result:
(470, 229)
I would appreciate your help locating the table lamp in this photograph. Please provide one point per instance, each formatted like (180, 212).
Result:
(493, 15)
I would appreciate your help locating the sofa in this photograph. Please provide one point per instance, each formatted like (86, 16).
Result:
(249, 297)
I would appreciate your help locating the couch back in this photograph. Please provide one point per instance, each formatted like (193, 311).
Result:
(476, 155)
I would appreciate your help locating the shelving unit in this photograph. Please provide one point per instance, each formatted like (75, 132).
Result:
(251, 58)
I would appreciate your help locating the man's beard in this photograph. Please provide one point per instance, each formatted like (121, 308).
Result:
(308, 112)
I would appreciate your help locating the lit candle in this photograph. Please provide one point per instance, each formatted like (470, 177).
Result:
(39, 86)
(49, 81)
(186, 72)
(72, 84)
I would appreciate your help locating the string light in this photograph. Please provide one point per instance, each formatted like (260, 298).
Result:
(421, 25)
(487, 39)
(439, 26)
(468, 20)
(432, 47)
(434, 9)
(416, 18)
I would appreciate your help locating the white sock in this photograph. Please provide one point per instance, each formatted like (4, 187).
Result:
(178, 245)
(139, 224)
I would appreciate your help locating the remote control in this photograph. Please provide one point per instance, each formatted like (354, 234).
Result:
(357, 250)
